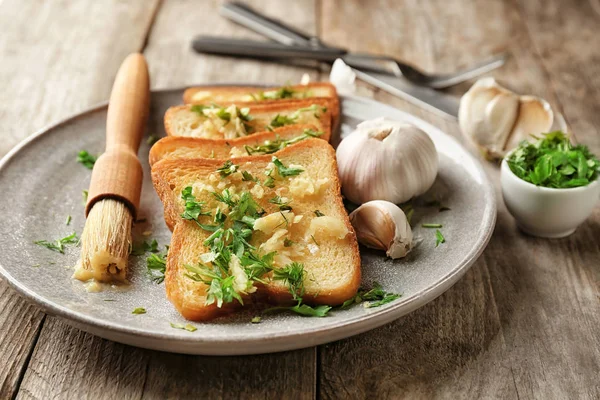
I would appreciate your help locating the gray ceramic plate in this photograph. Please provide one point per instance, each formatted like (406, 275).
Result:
(41, 183)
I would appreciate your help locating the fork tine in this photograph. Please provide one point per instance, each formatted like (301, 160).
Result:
(444, 81)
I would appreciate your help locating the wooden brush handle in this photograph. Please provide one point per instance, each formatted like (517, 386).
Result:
(117, 173)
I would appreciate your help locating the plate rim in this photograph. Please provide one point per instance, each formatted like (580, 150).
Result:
(283, 341)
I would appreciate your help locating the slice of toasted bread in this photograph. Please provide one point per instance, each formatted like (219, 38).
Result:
(173, 147)
(232, 94)
(325, 245)
(228, 122)
(228, 94)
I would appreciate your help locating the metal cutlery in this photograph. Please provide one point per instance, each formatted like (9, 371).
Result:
(300, 45)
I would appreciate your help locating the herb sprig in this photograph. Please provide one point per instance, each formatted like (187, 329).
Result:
(86, 159)
(553, 161)
(271, 146)
(58, 245)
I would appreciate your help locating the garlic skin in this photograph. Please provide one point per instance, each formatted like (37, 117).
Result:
(497, 119)
(383, 225)
(386, 160)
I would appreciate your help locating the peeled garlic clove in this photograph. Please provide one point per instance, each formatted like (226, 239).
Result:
(386, 160)
(383, 225)
(342, 77)
(497, 119)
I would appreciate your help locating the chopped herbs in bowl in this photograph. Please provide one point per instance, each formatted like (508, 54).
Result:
(550, 186)
(554, 162)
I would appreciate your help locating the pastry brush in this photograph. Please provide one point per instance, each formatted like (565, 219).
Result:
(116, 183)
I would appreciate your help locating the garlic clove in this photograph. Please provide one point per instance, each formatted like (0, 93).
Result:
(342, 77)
(382, 225)
(496, 119)
(386, 160)
(535, 116)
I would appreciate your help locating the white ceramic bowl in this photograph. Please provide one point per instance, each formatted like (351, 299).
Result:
(547, 212)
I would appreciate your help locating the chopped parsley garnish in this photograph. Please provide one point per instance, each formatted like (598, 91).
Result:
(282, 93)
(224, 115)
(193, 208)
(199, 109)
(319, 213)
(293, 276)
(303, 309)
(59, 244)
(84, 194)
(439, 238)
(288, 242)
(139, 310)
(247, 177)
(86, 159)
(139, 249)
(431, 225)
(227, 169)
(374, 297)
(285, 171)
(186, 327)
(271, 146)
(68, 221)
(553, 161)
(156, 266)
(282, 120)
(256, 320)
(281, 203)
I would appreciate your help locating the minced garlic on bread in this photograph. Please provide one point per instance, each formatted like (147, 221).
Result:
(174, 147)
(282, 94)
(234, 120)
(322, 242)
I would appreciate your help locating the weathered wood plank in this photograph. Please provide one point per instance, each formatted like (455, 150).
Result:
(20, 323)
(70, 364)
(174, 63)
(523, 321)
(58, 58)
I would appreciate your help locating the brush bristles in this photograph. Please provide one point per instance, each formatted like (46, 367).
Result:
(105, 243)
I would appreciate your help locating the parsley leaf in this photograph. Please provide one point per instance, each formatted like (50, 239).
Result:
(285, 171)
(439, 238)
(375, 297)
(139, 310)
(227, 169)
(193, 208)
(282, 93)
(186, 327)
(282, 120)
(293, 276)
(271, 146)
(156, 266)
(319, 213)
(283, 204)
(139, 249)
(86, 159)
(59, 244)
(303, 309)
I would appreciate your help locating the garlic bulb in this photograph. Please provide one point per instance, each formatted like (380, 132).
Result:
(382, 225)
(496, 119)
(386, 160)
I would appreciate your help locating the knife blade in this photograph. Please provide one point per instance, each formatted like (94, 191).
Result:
(440, 103)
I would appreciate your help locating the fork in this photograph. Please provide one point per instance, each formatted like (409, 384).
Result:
(300, 45)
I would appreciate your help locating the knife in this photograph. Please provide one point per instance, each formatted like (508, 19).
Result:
(435, 101)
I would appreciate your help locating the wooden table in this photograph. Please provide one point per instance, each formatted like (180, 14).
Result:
(524, 322)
